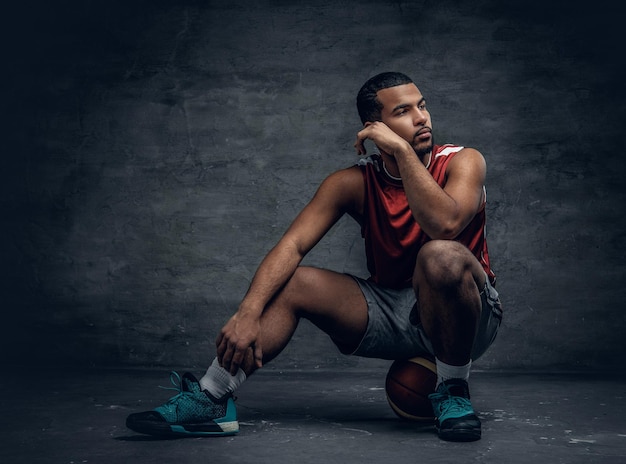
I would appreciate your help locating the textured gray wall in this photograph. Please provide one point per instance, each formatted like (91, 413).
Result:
(155, 152)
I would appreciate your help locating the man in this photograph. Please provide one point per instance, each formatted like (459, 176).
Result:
(421, 208)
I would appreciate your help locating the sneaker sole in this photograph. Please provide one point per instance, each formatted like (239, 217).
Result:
(460, 434)
(212, 429)
(206, 430)
(465, 428)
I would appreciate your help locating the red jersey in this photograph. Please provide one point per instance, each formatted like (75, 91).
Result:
(393, 237)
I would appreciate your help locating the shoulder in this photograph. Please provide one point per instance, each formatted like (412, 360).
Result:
(344, 181)
(455, 151)
(345, 188)
(467, 158)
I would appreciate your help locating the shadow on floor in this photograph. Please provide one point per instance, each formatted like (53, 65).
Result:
(312, 417)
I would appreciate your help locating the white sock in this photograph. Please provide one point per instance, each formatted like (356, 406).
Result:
(218, 381)
(447, 372)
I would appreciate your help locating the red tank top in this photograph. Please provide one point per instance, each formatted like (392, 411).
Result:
(392, 237)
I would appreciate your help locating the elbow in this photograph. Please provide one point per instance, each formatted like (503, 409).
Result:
(444, 235)
(447, 231)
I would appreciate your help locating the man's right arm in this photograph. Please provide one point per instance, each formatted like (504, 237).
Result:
(340, 193)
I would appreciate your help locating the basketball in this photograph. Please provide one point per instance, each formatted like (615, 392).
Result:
(408, 384)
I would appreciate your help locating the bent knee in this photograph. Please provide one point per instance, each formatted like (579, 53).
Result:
(304, 277)
(444, 263)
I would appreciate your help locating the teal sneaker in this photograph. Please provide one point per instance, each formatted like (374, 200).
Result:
(455, 417)
(192, 413)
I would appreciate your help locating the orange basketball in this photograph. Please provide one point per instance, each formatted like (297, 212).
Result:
(408, 384)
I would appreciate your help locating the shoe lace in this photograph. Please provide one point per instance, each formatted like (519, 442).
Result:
(178, 386)
(456, 405)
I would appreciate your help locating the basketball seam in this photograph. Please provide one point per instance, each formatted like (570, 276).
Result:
(400, 386)
(424, 363)
(405, 414)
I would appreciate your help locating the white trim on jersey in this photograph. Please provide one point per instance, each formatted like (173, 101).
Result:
(446, 151)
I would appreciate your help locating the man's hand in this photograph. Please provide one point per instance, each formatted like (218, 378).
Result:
(239, 335)
(384, 138)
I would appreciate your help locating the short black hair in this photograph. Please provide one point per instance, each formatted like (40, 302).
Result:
(367, 103)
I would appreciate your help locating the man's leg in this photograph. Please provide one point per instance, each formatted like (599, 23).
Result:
(331, 301)
(447, 280)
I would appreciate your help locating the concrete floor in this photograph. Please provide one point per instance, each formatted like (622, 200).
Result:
(61, 416)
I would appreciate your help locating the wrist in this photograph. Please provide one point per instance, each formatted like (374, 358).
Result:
(404, 151)
(249, 309)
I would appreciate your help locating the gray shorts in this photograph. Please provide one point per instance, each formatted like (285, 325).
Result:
(394, 333)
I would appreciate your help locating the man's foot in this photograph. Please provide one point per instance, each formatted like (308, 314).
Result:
(456, 420)
(192, 413)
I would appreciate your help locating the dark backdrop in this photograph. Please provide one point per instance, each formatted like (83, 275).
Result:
(154, 151)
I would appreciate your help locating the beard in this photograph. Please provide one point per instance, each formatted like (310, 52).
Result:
(422, 150)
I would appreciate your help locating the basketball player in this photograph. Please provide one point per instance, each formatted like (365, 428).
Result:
(421, 208)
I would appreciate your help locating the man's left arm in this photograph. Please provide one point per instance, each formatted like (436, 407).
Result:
(443, 213)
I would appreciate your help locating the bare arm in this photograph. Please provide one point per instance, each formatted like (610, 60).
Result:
(340, 193)
(441, 212)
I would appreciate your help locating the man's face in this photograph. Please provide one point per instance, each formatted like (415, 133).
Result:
(404, 112)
